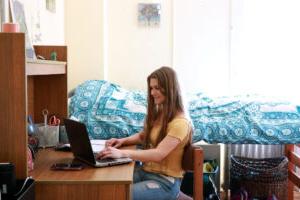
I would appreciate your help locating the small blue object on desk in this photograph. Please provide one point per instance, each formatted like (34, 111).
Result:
(31, 126)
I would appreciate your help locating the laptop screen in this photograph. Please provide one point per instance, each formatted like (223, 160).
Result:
(79, 140)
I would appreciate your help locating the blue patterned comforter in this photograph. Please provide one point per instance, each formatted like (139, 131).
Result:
(109, 110)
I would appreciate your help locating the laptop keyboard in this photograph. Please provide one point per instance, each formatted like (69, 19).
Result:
(111, 161)
(105, 160)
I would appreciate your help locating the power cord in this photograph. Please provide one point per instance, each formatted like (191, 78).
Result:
(23, 186)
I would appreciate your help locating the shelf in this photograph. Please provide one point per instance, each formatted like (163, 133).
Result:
(45, 67)
(23, 95)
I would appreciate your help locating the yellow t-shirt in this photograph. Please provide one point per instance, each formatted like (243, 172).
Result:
(171, 165)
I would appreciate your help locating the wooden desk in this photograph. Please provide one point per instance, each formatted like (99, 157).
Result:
(90, 183)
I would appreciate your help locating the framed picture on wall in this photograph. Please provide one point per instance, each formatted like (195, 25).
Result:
(18, 15)
(51, 5)
(149, 14)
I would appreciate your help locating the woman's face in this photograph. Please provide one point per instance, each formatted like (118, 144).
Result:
(155, 91)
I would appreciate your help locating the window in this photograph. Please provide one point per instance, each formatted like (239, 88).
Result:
(238, 46)
(265, 47)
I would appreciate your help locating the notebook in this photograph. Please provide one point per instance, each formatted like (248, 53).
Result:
(82, 148)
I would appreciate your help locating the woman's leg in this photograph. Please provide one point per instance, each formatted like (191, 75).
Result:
(151, 186)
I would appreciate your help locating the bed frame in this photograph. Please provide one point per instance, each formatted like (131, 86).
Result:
(294, 160)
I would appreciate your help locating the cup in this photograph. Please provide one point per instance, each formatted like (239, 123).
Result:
(10, 27)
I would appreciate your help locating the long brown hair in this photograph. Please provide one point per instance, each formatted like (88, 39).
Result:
(169, 87)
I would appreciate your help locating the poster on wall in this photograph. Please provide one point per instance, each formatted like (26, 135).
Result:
(19, 16)
(149, 14)
(4, 12)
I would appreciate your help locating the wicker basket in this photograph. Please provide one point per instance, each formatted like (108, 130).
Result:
(259, 177)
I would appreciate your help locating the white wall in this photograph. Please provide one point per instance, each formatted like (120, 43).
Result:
(44, 27)
(105, 41)
(84, 38)
(201, 43)
(52, 21)
(134, 51)
(130, 52)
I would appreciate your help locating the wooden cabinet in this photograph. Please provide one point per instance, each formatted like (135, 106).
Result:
(27, 89)
(22, 94)
(13, 139)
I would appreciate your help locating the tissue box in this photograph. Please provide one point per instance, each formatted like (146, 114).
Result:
(48, 135)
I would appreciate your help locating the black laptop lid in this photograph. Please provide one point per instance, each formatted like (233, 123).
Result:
(79, 140)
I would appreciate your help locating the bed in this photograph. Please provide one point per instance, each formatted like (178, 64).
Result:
(109, 110)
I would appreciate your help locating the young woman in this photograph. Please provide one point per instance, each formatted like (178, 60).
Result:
(165, 134)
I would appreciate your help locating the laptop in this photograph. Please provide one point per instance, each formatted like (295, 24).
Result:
(82, 148)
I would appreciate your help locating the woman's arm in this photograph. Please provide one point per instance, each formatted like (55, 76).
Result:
(157, 154)
(135, 139)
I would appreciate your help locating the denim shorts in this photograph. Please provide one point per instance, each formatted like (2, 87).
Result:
(153, 186)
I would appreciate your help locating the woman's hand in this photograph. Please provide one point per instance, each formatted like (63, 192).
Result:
(111, 152)
(114, 142)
